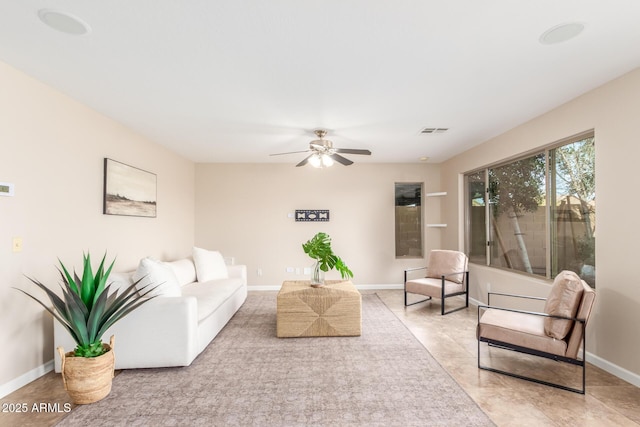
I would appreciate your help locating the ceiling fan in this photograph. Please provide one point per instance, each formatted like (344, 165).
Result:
(323, 154)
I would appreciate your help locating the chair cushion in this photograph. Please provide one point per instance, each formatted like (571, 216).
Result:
(574, 340)
(443, 262)
(522, 329)
(563, 300)
(432, 287)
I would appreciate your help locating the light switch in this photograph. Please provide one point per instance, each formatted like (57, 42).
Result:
(17, 244)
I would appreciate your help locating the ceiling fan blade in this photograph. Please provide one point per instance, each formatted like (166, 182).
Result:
(338, 158)
(290, 152)
(305, 161)
(352, 151)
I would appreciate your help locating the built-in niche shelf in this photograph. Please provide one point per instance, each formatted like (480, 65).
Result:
(436, 194)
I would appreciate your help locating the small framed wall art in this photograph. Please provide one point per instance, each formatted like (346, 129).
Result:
(128, 190)
(309, 215)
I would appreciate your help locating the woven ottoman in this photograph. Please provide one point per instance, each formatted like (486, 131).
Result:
(334, 310)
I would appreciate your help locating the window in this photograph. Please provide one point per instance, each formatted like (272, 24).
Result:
(408, 219)
(516, 210)
(538, 212)
(573, 209)
(476, 213)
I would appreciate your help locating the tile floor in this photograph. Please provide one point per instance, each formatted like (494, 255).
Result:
(451, 340)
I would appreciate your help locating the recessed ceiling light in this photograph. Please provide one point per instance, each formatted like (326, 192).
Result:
(63, 22)
(423, 158)
(561, 33)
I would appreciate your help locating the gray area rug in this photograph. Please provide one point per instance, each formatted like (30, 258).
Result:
(248, 377)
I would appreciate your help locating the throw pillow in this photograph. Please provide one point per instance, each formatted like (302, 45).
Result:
(563, 300)
(209, 265)
(156, 273)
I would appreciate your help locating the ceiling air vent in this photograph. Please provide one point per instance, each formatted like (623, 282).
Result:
(433, 130)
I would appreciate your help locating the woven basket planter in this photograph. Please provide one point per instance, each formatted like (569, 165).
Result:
(88, 379)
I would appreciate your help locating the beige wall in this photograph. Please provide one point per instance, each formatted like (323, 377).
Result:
(612, 110)
(241, 210)
(52, 149)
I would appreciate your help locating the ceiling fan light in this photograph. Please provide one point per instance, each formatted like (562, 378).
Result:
(315, 161)
(327, 161)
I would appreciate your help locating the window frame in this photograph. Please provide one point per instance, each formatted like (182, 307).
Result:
(546, 150)
(421, 219)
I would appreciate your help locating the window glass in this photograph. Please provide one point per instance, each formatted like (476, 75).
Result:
(517, 215)
(408, 219)
(573, 209)
(476, 217)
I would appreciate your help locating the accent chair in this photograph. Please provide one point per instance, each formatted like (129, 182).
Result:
(446, 275)
(557, 333)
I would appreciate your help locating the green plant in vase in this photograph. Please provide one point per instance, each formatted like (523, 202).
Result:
(319, 248)
(87, 309)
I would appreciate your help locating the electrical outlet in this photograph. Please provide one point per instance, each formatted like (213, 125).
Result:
(259, 272)
(17, 244)
(290, 269)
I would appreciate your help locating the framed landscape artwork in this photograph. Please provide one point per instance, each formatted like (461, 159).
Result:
(128, 190)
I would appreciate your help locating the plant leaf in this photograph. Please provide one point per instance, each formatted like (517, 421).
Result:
(66, 277)
(87, 290)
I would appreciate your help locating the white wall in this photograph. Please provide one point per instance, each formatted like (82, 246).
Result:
(612, 110)
(241, 209)
(52, 149)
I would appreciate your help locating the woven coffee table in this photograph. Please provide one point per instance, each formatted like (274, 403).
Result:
(334, 310)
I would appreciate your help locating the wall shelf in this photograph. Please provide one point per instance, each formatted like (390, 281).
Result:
(436, 225)
(438, 194)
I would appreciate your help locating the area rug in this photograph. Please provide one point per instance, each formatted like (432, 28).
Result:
(248, 377)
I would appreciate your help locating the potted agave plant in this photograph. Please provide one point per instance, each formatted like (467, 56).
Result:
(87, 309)
(319, 248)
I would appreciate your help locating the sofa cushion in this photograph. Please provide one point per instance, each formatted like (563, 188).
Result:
(211, 295)
(563, 300)
(209, 265)
(158, 274)
(184, 269)
(443, 262)
(119, 281)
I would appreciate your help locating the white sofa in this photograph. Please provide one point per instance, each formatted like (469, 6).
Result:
(171, 330)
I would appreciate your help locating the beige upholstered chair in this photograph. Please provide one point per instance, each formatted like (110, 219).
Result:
(557, 333)
(447, 275)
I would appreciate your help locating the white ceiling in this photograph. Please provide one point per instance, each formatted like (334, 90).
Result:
(233, 80)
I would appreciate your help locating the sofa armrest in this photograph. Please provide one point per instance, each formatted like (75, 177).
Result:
(162, 332)
(238, 271)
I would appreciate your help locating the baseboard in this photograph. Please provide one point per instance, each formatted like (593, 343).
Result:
(22, 380)
(614, 369)
(598, 361)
